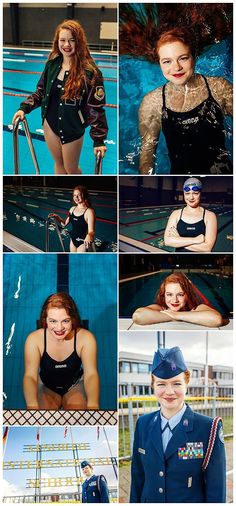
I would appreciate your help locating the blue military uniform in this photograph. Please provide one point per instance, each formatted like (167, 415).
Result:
(178, 474)
(94, 488)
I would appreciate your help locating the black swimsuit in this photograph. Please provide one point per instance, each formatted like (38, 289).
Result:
(190, 229)
(60, 376)
(196, 139)
(53, 106)
(79, 228)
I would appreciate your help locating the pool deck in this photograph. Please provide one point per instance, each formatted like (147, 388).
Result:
(127, 324)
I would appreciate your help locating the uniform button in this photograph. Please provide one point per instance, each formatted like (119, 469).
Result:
(62, 136)
(61, 131)
(62, 89)
(59, 118)
(52, 81)
(60, 103)
(161, 473)
(161, 490)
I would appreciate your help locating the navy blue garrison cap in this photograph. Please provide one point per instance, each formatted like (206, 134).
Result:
(85, 463)
(168, 363)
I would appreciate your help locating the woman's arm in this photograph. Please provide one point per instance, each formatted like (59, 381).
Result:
(149, 127)
(222, 91)
(202, 315)
(88, 355)
(30, 380)
(172, 237)
(210, 234)
(63, 222)
(90, 219)
(150, 314)
(95, 114)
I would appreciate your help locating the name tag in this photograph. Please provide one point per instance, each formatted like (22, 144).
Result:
(92, 483)
(141, 450)
(190, 481)
(191, 451)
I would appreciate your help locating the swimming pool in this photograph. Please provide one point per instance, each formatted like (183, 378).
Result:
(144, 227)
(26, 208)
(136, 78)
(22, 69)
(139, 292)
(28, 281)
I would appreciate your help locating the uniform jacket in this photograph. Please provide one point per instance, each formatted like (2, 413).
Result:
(158, 478)
(95, 489)
(76, 114)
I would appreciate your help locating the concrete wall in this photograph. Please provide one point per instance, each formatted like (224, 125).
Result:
(39, 22)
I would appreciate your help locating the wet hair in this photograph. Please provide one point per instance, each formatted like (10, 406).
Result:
(84, 194)
(60, 300)
(177, 34)
(192, 300)
(81, 60)
(187, 377)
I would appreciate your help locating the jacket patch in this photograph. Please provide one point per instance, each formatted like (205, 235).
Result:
(99, 93)
(141, 450)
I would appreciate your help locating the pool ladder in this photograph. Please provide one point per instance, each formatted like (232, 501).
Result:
(98, 163)
(48, 221)
(16, 145)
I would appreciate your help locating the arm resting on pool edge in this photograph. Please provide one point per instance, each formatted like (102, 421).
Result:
(149, 127)
(202, 315)
(30, 380)
(150, 314)
(89, 360)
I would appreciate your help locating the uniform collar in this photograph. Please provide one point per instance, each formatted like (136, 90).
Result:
(174, 420)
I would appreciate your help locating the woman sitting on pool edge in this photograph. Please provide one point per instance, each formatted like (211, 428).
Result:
(193, 228)
(60, 360)
(82, 218)
(176, 300)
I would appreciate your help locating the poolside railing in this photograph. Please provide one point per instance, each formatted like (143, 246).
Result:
(16, 145)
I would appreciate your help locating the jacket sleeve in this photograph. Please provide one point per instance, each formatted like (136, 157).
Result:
(33, 101)
(137, 471)
(215, 474)
(95, 113)
(103, 488)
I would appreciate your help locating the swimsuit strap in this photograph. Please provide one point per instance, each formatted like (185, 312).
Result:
(208, 87)
(204, 212)
(75, 341)
(181, 213)
(45, 340)
(163, 95)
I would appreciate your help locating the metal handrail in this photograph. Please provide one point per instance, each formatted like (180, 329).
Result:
(48, 220)
(16, 145)
(98, 163)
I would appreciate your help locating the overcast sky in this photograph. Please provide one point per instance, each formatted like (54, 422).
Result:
(193, 344)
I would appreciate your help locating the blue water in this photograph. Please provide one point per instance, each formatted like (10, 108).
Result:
(21, 83)
(92, 284)
(141, 292)
(137, 77)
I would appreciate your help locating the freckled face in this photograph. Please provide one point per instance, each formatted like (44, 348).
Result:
(66, 43)
(176, 62)
(175, 298)
(192, 198)
(59, 323)
(170, 393)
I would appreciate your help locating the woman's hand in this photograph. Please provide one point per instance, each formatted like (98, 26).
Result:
(102, 150)
(19, 114)
(174, 315)
(88, 240)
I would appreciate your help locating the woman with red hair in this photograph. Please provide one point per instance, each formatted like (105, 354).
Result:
(71, 95)
(61, 359)
(177, 300)
(189, 109)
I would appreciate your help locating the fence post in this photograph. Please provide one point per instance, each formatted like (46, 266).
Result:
(130, 418)
(214, 401)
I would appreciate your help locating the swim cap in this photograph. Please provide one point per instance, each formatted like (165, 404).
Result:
(192, 182)
(168, 363)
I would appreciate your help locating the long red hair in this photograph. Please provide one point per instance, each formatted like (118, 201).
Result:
(80, 61)
(192, 300)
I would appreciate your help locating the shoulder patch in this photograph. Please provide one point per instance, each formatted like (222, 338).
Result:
(99, 93)
(221, 435)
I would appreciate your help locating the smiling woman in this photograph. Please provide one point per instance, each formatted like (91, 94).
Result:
(71, 94)
(177, 300)
(65, 355)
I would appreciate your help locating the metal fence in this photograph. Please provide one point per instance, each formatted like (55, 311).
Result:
(208, 400)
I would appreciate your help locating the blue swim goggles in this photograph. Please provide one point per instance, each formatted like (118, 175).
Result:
(191, 188)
